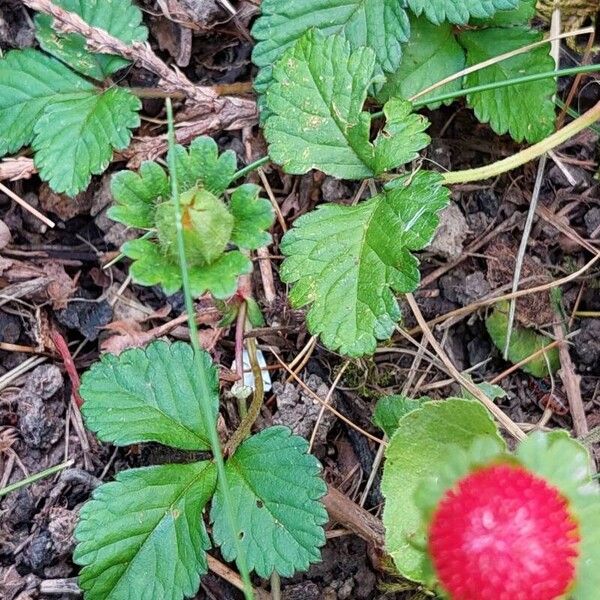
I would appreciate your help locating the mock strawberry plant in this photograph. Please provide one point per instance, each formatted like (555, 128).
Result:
(464, 516)
(146, 529)
(474, 521)
(62, 102)
(216, 230)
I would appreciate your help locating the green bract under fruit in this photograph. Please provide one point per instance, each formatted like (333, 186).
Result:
(466, 517)
(216, 226)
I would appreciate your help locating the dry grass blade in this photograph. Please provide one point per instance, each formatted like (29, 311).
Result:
(504, 420)
(36, 213)
(338, 414)
(471, 308)
(100, 41)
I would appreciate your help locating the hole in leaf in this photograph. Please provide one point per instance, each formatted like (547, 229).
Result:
(260, 503)
(241, 535)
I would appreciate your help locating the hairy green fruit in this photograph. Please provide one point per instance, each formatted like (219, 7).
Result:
(206, 223)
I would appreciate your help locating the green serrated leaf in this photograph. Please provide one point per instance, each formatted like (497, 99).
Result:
(151, 395)
(75, 139)
(346, 261)
(275, 488)
(220, 278)
(201, 165)
(29, 82)
(121, 18)
(152, 267)
(382, 25)
(420, 445)
(253, 216)
(317, 121)
(521, 15)
(390, 409)
(526, 110)
(137, 196)
(523, 343)
(142, 535)
(432, 54)
(459, 11)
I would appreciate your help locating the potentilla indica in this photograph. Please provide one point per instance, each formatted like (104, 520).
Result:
(514, 527)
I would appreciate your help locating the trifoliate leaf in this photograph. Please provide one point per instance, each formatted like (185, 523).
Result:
(121, 18)
(30, 82)
(152, 266)
(382, 25)
(275, 489)
(523, 343)
(252, 217)
(459, 11)
(75, 139)
(142, 535)
(202, 166)
(423, 440)
(152, 395)
(317, 121)
(390, 409)
(432, 54)
(346, 261)
(526, 110)
(137, 196)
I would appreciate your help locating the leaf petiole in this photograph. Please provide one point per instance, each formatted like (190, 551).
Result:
(257, 164)
(528, 154)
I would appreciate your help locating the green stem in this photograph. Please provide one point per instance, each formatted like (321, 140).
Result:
(243, 431)
(205, 393)
(257, 164)
(121, 256)
(497, 85)
(527, 155)
(33, 478)
(500, 84)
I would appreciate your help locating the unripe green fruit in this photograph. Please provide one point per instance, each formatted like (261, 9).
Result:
(207, 226)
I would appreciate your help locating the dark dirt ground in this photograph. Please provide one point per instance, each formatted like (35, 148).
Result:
(53, 280)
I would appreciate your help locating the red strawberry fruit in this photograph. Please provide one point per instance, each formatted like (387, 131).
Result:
(504, 533)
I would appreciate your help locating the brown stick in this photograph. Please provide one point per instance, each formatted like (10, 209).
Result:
(100, 41)
(571, 382)
(347, 513)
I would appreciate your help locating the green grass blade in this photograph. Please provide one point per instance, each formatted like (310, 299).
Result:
(189, 306)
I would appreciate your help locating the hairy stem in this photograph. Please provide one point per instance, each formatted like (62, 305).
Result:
(508, 82)
(527, 155)
(243, 431)
(35, 477)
